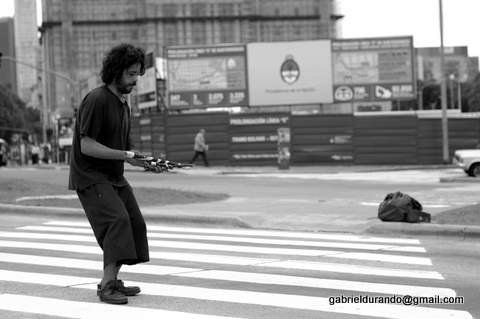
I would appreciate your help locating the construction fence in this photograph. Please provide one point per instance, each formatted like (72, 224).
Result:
(252, 139)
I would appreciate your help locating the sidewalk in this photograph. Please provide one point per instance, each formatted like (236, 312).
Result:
(276, 213)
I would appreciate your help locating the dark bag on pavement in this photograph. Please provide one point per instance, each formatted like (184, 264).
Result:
(399, 207)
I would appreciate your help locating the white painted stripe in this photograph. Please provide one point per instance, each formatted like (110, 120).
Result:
(88, 310)
(51, 246)
(58, 229)
(293, 242)
(20, 199)
(355, 269)
(211, 259)
(254, 240)
(27, 235)
(45, 279)
(235, 260)
(250, 297)
(271, 279)
(202, 258)
(259, 278)
(265, 233)
(90, 264)
(238, 248)
(298, 252)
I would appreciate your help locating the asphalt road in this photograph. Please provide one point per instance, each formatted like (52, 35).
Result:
(49, 269)
(316, 199)
(215, 287)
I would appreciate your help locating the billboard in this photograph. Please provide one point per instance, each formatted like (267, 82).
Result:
(429, 66)
(211, 76)
(373, 69)
(289, 73)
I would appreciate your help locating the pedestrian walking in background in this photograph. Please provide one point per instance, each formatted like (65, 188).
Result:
(3, 152)
(101, 144)
(200, 147)
(35, 153)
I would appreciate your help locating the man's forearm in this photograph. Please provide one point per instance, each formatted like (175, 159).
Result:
(92, 148)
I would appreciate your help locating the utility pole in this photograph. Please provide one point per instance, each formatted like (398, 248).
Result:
(443, 88)
(452, 91)
(459, 95)
(443, 91)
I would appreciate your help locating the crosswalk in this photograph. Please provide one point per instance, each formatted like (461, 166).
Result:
(52, 269)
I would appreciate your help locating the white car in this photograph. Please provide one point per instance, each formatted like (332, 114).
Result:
(468, 160)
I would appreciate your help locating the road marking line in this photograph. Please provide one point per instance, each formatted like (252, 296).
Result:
(27, 235)
(355, 269)
(52, 246)
(90, 264)
(251, 297)
(235, 260)
(258, 232)
(25, 198)
(251, 277)
(191, 257)
(88, 310)
(298, 252)
(255, 240)
(239, 248)
(272, 279)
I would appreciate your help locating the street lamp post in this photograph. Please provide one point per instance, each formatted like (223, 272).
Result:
(443, 90)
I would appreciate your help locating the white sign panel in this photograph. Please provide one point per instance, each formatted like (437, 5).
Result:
(147, 89)
(289, 73)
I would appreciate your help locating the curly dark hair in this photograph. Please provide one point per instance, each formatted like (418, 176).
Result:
(119, 59)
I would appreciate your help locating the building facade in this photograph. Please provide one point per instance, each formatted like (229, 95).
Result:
(8, 69)
(26, 42)
(76, 34)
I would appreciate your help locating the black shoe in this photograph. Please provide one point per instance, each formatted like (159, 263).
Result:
(126, 290)
(110, 294)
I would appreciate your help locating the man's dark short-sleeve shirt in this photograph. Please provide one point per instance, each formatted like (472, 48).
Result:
(105, 119)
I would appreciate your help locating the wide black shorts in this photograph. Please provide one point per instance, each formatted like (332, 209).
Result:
(117, 223)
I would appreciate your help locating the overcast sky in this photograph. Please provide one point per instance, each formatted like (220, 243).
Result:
(420, 18)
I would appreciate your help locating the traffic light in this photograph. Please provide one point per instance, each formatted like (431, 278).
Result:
(1, 59)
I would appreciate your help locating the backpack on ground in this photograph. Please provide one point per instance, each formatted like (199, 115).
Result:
(399, 207)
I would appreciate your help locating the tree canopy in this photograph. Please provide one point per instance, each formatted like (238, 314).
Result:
(15, 116)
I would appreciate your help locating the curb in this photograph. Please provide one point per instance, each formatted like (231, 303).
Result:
(165, 218)
(378, 228)
(462, 179)
(48, 210)
(446, 230)
(199, 220)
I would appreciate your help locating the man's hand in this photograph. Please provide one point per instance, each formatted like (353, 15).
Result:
(135, 162)
(138, 159)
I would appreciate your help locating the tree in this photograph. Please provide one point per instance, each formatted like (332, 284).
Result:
(472, 94)
(15, 116)
(431, 96)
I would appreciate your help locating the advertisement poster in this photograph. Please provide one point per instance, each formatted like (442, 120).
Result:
(147, 89)
(373, 69)
(457, 64)
(213, 76)
(289, 73)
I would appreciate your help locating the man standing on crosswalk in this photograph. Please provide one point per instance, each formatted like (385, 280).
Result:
(101, 144)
